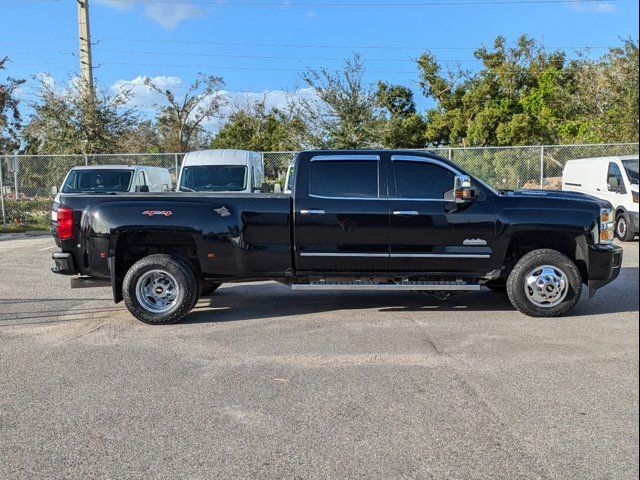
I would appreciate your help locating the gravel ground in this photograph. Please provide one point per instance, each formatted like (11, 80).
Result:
(260, 382)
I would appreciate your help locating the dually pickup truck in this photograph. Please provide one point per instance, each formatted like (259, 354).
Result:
(355, 220)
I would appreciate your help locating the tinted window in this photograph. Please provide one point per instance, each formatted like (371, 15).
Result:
(343, 178)
(631, 166)
(214, 178)
(421, 180)
(614, 171)
(97, 180)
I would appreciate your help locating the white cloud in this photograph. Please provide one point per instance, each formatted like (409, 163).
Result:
(142, 96)
(122, 6)
(170, 16)
(593, 7)
(311, 14)
(145, 99)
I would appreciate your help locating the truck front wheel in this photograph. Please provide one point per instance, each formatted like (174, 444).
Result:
(544, 283)
(160, 289)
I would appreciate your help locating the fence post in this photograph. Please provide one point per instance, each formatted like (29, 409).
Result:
(175, 160)
(86, 160)
(542, 167)
(4, 212)
(15, 176)
(450, 154)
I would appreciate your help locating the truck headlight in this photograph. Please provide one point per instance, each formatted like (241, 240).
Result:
(606, 226)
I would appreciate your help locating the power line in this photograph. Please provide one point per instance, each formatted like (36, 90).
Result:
(36, 40)
(267, 57)
(26, 2)
(223, 67)
(319, 46)
(363, 4)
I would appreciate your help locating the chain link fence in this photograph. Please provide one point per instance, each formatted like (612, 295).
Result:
(28, 182)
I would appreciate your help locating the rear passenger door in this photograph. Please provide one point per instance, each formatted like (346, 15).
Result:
(342, 214)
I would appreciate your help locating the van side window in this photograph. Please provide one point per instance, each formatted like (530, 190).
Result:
(614, 172)
(141, 181)
(344, 179)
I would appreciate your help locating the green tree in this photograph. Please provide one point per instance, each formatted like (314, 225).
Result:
(404, 127)
(602, 102)
(254, 127)
(346, 113)
(489, 107)
(180, 121)
(10, 120)
(526, 95)
(73, 119)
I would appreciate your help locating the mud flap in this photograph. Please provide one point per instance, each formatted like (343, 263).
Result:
(116, 284)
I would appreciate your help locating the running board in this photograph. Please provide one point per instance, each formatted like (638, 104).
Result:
(400, 286)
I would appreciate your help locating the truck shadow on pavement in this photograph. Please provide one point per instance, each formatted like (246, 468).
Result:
(268, 300)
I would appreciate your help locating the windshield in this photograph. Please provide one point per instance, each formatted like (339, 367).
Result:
(631, 166)
(214, 178)
(97, 180)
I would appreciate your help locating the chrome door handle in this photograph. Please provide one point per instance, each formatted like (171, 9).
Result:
(312, 212)
(406, 213)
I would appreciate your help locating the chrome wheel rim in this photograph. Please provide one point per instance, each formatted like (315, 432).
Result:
(622, 227)
(157, 291)
(546, 286)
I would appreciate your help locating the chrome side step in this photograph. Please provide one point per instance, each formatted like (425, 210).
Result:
(400, 286)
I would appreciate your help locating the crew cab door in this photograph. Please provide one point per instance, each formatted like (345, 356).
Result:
(429, 234)
(341, 214)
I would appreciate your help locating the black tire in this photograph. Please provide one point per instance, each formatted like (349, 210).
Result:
(623, 232)
(527, 265)
(208, 288)
(174, 268)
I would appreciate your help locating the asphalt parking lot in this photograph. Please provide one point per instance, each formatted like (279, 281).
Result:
(261, 382)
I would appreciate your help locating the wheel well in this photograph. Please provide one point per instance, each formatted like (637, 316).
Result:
(565, 243)
(620, 211)
(132, 246)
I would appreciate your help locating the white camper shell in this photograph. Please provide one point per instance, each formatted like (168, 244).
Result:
(614, 179)
(221, 171)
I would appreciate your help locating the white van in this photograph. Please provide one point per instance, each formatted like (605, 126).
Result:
(117, 178)
(291, 177)
(221, 171)
(614, 179)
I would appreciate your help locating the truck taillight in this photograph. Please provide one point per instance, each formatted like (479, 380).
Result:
(65, 223)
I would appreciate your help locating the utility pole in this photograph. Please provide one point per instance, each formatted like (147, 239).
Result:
(84, 35)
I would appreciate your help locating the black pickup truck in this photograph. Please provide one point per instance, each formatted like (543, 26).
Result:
(356, 220)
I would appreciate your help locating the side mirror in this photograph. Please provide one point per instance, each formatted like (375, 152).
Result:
(614, 184)
(463, 192)
(143, 189)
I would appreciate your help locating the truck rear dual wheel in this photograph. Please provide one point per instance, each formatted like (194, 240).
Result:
(160, 289)
(544, 283)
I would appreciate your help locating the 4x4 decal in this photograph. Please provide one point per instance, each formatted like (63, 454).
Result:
(161, 213)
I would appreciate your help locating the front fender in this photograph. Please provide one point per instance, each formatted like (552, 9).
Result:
(569, 227)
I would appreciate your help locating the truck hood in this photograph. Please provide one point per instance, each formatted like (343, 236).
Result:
(559, 195)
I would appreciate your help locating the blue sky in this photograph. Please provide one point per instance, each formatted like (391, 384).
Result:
(174, 41)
